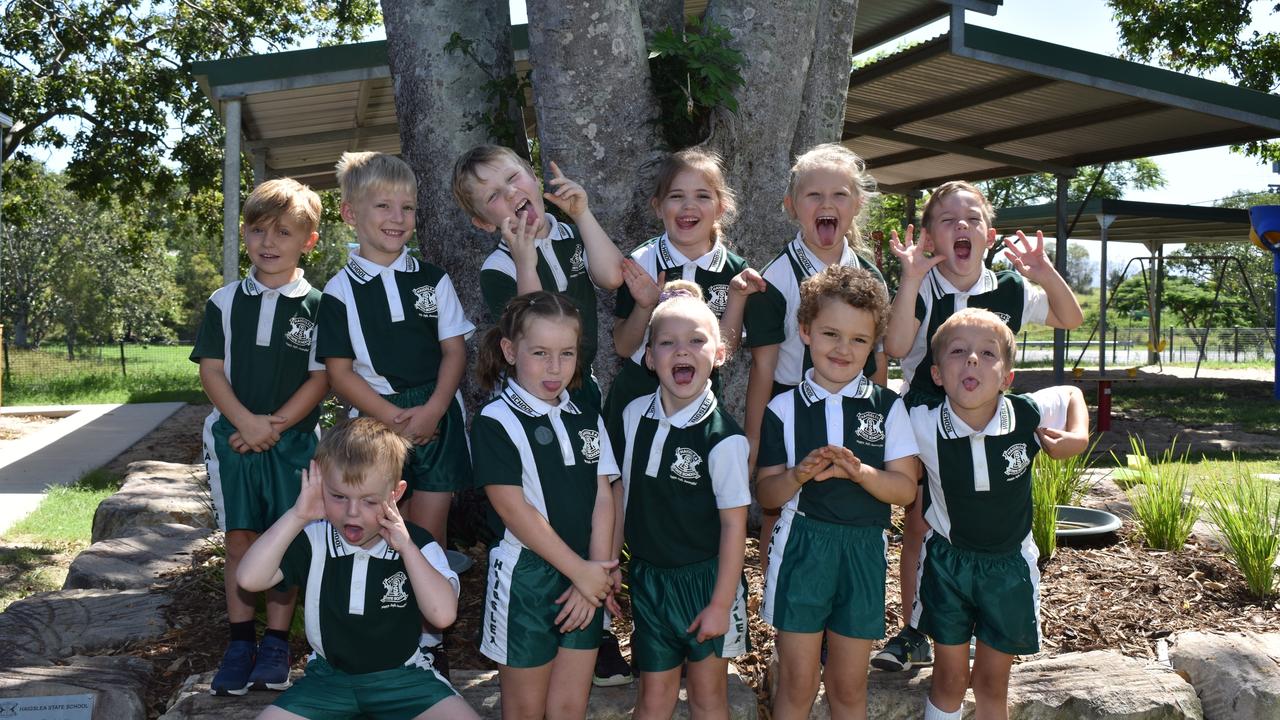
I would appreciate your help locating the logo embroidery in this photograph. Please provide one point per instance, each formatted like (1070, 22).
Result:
(1017, 458)
(1004, 317)
(396, 596)
(577, 263)
(718, 298)
(685, 468)
(426, 304)
(590, 445)
(299, 335)
(871, 426)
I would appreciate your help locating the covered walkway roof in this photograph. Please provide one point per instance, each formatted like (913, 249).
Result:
(1148, 223)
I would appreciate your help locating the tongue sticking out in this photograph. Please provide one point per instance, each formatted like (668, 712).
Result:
(353, 533)
(683, 374)
(826, 231)
(527, 212)
(963, 249)
(970, 384)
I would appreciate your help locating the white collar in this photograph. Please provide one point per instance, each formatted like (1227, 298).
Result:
(520, 399)
(952, 427)
(362, 270)
(812, 392)
(670, 257)
(985, 283)
(298, 288)
(811, 263)
(338, 546)
(691, 414)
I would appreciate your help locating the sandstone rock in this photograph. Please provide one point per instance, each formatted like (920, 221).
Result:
(192, 701)
(1097, 685)
(116, 684)
(135, 561)
(155, 493)
(1236, 674)
(55, 625)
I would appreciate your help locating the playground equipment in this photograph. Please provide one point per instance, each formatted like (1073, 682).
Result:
(1265, 233)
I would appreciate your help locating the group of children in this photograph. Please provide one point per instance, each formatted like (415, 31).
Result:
(656, 463)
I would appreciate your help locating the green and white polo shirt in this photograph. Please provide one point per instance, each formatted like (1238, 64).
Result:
(770, 317)
(867, 418)
(556, 453)
(1005, 293)
(712, 272)
(390, 320)
(562, 268)
(265, 338)
(979, 492)
(359, 606)
(678, 473)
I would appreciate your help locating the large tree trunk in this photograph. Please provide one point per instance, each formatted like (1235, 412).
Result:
(658, 15)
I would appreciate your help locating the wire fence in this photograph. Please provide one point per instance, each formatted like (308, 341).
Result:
(1132, 346)
(119, 371)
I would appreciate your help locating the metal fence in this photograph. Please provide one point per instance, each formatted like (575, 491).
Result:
(52, 373)
(1130, 346)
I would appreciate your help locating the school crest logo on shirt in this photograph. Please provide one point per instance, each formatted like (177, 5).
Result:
(685, 467)
(718, 298)
(577, 263)
(1004, 317)
(1017, 458)
(590, 445)
(396, 596)
(426, 304)
(299, 335)
(870, 427)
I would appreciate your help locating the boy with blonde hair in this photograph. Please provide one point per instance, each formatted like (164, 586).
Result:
(257, 365)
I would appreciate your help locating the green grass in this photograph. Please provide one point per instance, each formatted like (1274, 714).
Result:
(1197, 406)
(1161, 504)
(66, 513)
(152, 373)
(1246, 510)
(31, 569)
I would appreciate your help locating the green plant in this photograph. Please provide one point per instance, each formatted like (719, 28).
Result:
(1044, 513)
(1246, 510)
(1135, 468)
(1162, 506)
(506, 93)
(695, 71)
(1056, 482)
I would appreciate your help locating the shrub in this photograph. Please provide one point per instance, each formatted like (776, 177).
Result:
(1246, 510)
(1161, 505)
(1056, 482)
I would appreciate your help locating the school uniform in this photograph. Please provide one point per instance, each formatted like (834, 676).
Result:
(1006, 293)
(562, 267)
(712, 272)
(265, 339)
(678, 473)
(556, 454)
(827, 552)
(363, 624)
(390, 321)
(770, 317)
(978, 574)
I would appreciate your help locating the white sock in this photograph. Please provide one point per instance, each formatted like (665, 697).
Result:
(428, 639)
(933, 713)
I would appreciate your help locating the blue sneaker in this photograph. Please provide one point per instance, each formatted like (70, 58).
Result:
(232, 677)
(271, 669)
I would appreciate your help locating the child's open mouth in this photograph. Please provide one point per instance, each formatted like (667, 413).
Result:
(526, 212)
(962, 249)
(353, 533)
(826, 227)
(682, 374)
(686, 222)
(551, 386)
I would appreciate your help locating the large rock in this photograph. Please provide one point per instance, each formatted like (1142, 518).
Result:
(135, 561)
(1237, 675)
(117, 684)
(155, 493)
(192, 701)
(55, 625)
(1099, 684)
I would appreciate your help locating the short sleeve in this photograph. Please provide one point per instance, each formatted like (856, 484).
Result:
(899, 438)
(1052, 402)
(765, 318)
(210, 342)
(728, 468)
(296, 563)
(333, 335)
(498, 462)
(608, 462)
(624, 304)
(437, 558)
(1035, 303)
(497, 288)
(453, 321)
(921, 309)
(773, 446)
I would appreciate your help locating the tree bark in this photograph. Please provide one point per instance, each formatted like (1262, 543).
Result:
(658, 15)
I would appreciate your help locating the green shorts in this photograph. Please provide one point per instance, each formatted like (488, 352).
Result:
(520, 611)
(401, 693)
(444, 464)
(664, 602)
(994, 597)
(825, 576)
(252, 490)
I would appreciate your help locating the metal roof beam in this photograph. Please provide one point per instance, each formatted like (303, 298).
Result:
(324, 137)
(1066, 122)
(1177, 144)
(958, 149)
(958, 101)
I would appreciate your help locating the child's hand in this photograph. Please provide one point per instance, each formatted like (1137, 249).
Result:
(519, 237)
(1029, 260)
(611, 602)
(642, 287)
(568, 195)
(310, 503)
(817, 465)
(258, 433)
(238, 444)
(712, 622)
(576, 613)
(420, 424)
(1060, 443)
(393, 529)
(846, 463)
(592, 580)
(747, 283)
(911, 255)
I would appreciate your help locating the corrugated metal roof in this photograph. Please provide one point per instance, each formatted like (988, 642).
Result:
(1135, 222)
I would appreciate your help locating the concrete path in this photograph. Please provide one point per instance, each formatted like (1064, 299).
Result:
(88, 437)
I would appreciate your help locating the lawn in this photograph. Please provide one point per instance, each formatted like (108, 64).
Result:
(148, 373)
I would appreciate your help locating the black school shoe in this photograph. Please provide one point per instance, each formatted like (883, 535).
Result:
(909, 648)
(611, 668)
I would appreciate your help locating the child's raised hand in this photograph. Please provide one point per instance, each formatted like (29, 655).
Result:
(642, 287)
(1029, 259)
(911, 254)
(747, 283)
(817, 465)
(310, 503)
(420, 424)
(712, 622)
(392, 528)
(577, 611)
(519, 237)
(568, 195)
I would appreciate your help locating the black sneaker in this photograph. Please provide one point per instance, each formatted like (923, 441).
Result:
(611, 668)
(438, 657)
(907, 649)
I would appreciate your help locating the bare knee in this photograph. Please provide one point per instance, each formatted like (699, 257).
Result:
(847, 692)
(991, 686)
